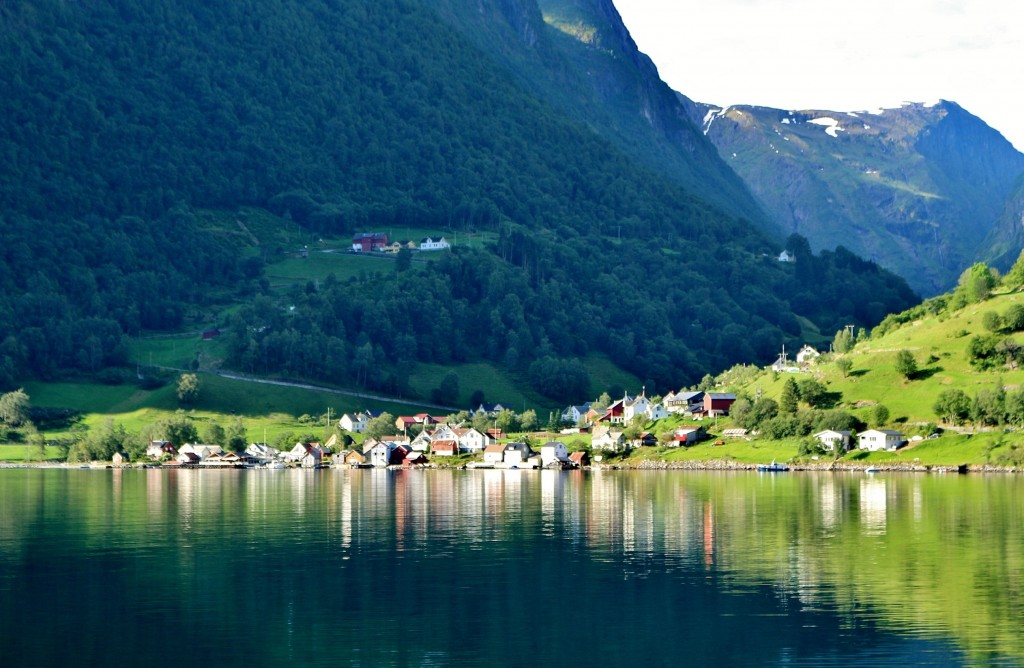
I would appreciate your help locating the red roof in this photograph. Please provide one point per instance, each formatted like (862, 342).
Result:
(578, 457)
(444, 446)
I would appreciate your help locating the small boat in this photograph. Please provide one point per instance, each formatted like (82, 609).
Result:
(872, 469)
(773, 467)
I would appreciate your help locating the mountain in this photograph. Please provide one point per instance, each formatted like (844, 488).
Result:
(590, 68)
(916, 189)
(138, 140)
(1005, 240)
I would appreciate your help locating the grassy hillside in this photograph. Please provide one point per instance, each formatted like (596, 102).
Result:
(939, 344)
(939, 338)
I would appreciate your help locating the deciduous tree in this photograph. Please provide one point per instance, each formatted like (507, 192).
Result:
(188, 388)
(905, 364)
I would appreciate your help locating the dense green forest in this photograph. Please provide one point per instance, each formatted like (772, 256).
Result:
(122, 120)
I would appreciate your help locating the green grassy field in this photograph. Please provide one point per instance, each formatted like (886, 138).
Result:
(270, 408)
(319, 265)
(28, 454)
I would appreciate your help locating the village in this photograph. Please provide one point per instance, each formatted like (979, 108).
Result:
(599, 430)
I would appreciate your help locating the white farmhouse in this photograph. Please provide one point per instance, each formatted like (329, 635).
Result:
(638, 406)
(494, 454)
(605, 438)
(471, 440)
(199, 450)
(879, 439)
(807, 354)
(433, 244)
(353, 423)
(831, 438)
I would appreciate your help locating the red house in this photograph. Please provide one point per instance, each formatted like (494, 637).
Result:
(365, 242)
(718, 403)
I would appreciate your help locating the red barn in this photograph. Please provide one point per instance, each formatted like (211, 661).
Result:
(718, 403)
(365, 242)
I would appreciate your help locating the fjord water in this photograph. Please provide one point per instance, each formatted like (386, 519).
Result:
(499, 568)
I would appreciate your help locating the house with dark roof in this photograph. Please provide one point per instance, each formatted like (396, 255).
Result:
(573, 414)
(517, 454)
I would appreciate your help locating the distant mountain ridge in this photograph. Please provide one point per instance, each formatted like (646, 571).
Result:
(917, 189)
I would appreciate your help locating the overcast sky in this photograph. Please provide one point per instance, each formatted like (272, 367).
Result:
(808, 54)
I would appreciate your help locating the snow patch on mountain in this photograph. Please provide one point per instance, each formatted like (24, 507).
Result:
(831, 125)
(710, 117)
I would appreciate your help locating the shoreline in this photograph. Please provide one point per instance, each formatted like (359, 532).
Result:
(646, 465)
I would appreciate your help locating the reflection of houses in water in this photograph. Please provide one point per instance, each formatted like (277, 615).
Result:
(709, 534)
(155, 500)
(830, 507)
(873, 505)
(604, 519)
(400, 508)
(551, 492)
(628, 524)
(494, 486)
(346, 514)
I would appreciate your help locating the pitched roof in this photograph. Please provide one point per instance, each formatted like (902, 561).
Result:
(445, 445)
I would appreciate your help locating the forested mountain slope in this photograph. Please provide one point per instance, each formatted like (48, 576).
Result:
(916, 189)
(122, 121)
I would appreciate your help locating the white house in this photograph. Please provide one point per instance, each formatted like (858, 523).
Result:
(553, 451)
(656, 412)
(471, 440)
(199, 450)
(422, 442)
(353, 423)
(681, 401)
(879, 439)
(605, 438)
(313, 458)
(161, 449)
(432, 244)
(379, 454)
(494, 454)
(262, 451)
(638, 406)
(573, 414)
(308, 454)
(830, 438)
(807, 354)
(517, 454)
(785, 256)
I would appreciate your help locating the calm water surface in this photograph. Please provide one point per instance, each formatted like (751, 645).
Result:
(505, 568)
